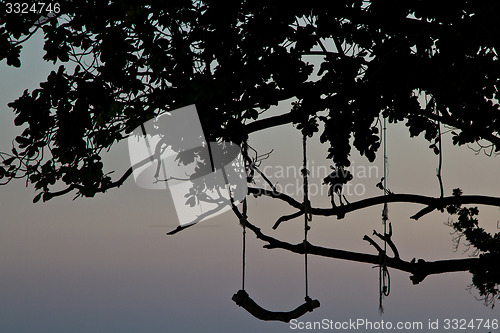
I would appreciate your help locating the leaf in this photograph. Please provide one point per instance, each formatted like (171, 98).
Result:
(37, 197)
(9, 160)
(13, 57)
(22, 141)
(254, 114)
(191, 201)
(35, 177)
(46, 196)
(63, 56)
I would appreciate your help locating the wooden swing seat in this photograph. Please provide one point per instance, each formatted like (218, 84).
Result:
(243, 299)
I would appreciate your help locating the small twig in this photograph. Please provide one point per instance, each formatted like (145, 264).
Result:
(264, 177)
(287, 218)
(423, 212)
(179, 228)
(253, 164)
(338, 46)
(387, 238)
(374, 244)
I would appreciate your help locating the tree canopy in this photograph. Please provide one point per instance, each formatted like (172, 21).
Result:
(344, 65)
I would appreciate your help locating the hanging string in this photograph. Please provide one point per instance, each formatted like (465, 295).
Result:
(307, 209)
(385, 213)
(244, 245)
(242, 298)
(440, 166)
(243, 223)
(384, 277)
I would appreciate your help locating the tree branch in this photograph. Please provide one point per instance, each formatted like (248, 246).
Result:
(374, 244)
(287, 218)
(269, 122)
(388, 238)
(431, 202)
(102, 189)
(419, 270)
(451, 121)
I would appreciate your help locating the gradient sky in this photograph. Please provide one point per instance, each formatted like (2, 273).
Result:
(105, 264)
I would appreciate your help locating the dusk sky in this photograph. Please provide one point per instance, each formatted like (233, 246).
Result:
(105, 264)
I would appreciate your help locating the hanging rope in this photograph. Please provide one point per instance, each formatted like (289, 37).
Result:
(307, 209)
(440, 166)
(384, 277)
(244, 244)
(244, 300)
(243, 219)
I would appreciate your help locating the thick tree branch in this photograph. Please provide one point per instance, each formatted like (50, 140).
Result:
(454, 122)
(432, 203)
(419, 270)
(269, 122)
(101, 189)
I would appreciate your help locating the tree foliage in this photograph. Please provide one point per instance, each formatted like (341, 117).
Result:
(343, 64)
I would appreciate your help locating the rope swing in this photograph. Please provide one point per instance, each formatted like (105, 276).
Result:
(384, 277)
(244, 300)
(307, 209)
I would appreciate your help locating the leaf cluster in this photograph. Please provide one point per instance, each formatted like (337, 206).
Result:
(344, 65)
(485, 277)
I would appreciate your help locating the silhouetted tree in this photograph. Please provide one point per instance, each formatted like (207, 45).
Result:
(345, 64)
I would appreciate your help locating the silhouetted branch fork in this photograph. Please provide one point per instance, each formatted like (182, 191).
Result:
(264, 177)
(465, 125)
(419, 270)
(387, 238)
(432, 203)
(287, 218)
(49, 195)
(444, 118)
(256, 191)
(374, 244)
(393, 248)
